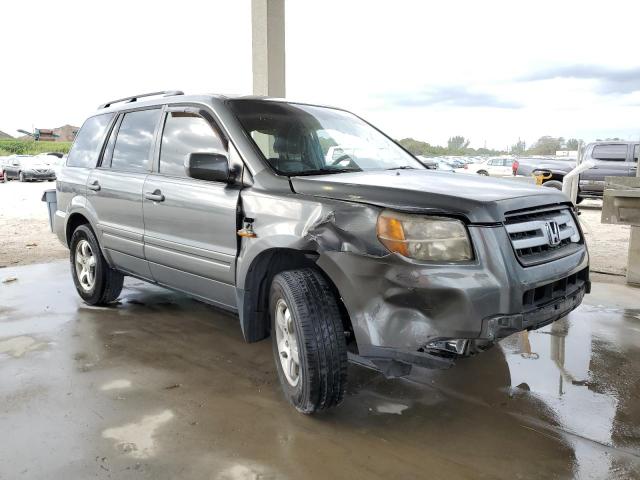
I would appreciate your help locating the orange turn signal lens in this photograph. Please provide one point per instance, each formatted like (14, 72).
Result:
(391, 233)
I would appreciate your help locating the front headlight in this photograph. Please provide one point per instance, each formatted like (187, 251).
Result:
(436, 239)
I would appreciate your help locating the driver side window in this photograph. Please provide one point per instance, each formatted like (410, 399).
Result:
(185, 133)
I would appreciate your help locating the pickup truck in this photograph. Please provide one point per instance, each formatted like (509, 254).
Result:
(612, 159)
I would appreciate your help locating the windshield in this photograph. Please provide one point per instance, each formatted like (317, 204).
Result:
(307, 140)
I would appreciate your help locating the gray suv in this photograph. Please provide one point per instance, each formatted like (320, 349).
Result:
(241, 203)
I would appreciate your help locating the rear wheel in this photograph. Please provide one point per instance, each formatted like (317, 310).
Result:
(308, 340)
(95, 281)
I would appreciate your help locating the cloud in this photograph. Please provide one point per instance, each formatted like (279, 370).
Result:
(610, 80)
(450, 96)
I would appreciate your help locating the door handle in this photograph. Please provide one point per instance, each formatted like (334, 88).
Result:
(95, 186)
(155, 196)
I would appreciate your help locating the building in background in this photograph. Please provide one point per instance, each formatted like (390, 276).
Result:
(66, 133)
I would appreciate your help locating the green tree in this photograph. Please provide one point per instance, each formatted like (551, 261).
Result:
(572, 144)
(547, 145)
(457, 143)
(519, 148)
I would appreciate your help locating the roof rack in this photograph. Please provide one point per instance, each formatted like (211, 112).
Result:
(134, 98)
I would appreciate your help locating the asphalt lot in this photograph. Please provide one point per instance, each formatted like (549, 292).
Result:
(161, 386)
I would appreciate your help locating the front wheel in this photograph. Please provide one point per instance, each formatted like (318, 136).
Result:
(484, 173)
(96, 282)
(308, 340)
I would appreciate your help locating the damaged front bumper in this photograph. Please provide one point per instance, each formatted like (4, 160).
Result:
(407, 312)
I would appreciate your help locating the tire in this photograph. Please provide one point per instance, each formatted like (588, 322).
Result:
(107, 283)
(484, 173)
(21, 177)
(318, 333)
(553, 184)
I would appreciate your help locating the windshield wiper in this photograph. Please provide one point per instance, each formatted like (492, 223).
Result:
(321, 171)
(403, 167)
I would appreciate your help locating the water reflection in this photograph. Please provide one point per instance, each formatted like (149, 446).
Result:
(574, 366)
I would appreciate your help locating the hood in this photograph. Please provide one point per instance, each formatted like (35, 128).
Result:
(37, 166)
(479, 199)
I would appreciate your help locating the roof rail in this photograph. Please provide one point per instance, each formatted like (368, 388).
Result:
(134, 98)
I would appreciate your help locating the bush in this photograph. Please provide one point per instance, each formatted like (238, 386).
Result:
(30, 147)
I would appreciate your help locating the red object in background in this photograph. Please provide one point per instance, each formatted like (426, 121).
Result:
(466, 166)
(514, 167)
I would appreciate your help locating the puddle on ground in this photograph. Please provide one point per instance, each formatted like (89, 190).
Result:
(584, 367)
(18, 346)
(137, 439)
(392, 408)
(116, 385)
(244, 472)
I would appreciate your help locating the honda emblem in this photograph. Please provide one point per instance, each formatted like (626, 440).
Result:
(553, 233)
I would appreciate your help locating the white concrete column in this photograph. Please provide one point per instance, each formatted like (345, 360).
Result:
(633, 265)
(267, 27)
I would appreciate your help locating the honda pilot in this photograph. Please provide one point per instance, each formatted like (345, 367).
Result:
(318, 230)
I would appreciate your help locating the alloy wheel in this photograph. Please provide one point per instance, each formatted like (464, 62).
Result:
(288, 352)
(85, 264)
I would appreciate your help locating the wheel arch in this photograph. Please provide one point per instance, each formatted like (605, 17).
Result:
(253, 299)
(74, 220)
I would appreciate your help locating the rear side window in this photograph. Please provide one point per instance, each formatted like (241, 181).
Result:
(185, 133)
(89, 141)
(134, 143)
(610, 152)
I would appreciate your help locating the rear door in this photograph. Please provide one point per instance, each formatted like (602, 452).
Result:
(611, 160)
(114, 189)
(190, 225)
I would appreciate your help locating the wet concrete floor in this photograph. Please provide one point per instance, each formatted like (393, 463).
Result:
(162, 386)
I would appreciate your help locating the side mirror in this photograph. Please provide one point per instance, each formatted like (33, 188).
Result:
(213, 167)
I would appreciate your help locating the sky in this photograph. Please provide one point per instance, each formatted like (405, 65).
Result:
(492, 71)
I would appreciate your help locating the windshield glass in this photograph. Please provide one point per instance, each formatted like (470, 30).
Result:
(307, 140)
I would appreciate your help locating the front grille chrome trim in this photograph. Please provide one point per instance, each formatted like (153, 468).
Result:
(543, 235)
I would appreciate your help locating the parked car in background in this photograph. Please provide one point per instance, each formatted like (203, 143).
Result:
(492, 167)
(612, 159)
(28, 167)
(3, 160)
(429, 162)
(443, 166)
(232, 200)
(454, 162)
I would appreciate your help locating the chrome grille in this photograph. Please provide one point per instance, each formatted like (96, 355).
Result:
(543, 235)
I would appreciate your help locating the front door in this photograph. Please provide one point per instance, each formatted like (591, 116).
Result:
(190, 225)
(114, 190)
